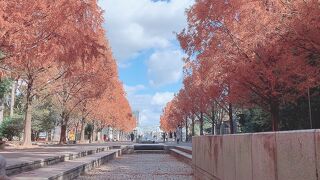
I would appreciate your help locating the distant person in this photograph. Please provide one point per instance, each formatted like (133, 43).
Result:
(164, 137)
(170, 135)
(132, 137)
(178, 134)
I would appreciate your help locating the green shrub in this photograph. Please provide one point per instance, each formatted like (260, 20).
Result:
(10, 128)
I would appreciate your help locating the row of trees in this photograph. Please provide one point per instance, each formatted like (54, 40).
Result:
(246, 59)
(58, 50)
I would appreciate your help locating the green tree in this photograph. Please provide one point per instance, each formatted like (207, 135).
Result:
(89, 130)
(296, 115)
(254, 120)
(44, 118)
(5, 85)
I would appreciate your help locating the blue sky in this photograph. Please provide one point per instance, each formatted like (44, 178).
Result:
(143, 41)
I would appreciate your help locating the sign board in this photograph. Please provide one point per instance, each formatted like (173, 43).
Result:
(43, 135)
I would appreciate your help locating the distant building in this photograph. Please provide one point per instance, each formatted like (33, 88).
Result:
(136, 114)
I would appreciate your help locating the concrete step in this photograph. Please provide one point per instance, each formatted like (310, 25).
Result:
(70, 169)
(148, 147)
(149, 151)
(182, 156)
(184, 149)
(28, 166)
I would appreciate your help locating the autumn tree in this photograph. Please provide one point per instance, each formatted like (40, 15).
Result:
(43, 34)
(259, 46)
(114, 109)
(80, 87)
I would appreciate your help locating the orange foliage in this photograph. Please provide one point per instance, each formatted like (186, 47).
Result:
(263, 53)
(59, 48)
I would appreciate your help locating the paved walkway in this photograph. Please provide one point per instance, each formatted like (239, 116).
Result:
(142, 167)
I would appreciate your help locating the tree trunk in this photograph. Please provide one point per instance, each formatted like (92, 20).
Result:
(192, 124)
(231, 119)
(13, 97)
(48, 136)
(118, 135)
(28, 115)
(187, 137)
(1, 109)
(101, 137)
(76, 132)
(274, 106)
(213, 128)
(27, 126)
(218, 128)
(96, 134)
(180, 129)
(213, 120)
(82, 139)
(201, 123)
(63, 133)
(93, 137)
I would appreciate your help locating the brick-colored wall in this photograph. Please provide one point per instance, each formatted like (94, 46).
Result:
(292, 155)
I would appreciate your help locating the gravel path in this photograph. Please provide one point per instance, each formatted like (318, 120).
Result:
(142, 167)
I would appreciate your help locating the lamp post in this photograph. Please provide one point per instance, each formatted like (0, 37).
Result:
(310, 114)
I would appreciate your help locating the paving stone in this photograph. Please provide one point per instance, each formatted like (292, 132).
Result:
(142, 167)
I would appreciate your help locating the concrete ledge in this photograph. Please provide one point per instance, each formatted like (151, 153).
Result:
(149, 151)
(23, 167)
(185, 149)
(148, 147)
(127, 150)
(182, 156)
(296, 155)
(70, 169)
(289, 155)
(199, 174)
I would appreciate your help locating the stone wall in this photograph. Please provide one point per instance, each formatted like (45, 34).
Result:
(292, 155)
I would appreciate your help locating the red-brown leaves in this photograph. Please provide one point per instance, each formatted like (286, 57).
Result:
(262, 53)
(59, 48)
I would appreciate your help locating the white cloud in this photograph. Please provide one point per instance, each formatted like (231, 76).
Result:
(161, 99)
(165, 67)
(149, 105)
(149, 119)
(133, 89)
(149, 113)
(137, 25)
